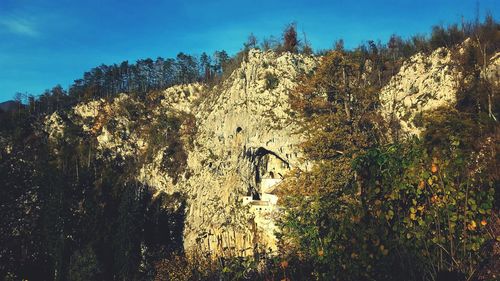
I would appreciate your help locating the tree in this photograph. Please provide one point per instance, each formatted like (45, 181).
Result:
(187, 68)
(251, 42)
(84, 265)
(395, 43)
(58, 96)
(306, 49)
(221, 59)
(128, 233)
(290, 40)
(270, 43)
(205, 67)
(420, 43)
(18, 99)
(339, 45)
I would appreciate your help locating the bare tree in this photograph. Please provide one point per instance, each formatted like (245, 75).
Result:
(251, 42)
(290, 40)
(307, 47)
(339, 45)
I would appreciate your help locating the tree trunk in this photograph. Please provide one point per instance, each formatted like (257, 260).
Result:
(346, 95)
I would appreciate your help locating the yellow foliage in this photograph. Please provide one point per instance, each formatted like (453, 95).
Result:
(421, 185)
(434, 168)
(472, 226)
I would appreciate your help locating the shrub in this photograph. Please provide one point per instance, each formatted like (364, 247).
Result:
(290, 39)
(272, 81)
(430, 208)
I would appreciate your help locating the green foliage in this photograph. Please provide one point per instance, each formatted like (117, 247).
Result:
(69, 215)
(407, 215)
(165, 134)
(368, 210)
(446, 37)
(196, 266)
(271, 81)
(323, 230)
(427, 204)
(84, 265)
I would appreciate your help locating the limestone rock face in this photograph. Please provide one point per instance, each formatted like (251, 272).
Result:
(245, 140)
(54, 127)
(247, 120)
(182, 97)
(492, 71)
(423, 83)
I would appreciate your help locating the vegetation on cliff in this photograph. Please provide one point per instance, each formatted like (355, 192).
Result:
(373, 208)
(374, 205)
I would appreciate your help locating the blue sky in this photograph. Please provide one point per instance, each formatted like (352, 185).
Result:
(49, 42)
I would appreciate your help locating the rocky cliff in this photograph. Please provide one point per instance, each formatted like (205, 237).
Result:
(240, 128)
(238, 139)
(427, 82)
(239, 134)
(422, 84)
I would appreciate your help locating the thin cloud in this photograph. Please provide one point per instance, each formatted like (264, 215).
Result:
(20, 27)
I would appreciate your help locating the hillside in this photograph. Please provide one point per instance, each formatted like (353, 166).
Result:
(8, 105)
(288, 164)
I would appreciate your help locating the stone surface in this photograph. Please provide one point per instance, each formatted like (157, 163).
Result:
(242, 125)
(423, 83)
(244, 132)
(492, 71)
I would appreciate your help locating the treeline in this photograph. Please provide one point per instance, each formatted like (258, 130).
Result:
(386, 58)
(139, 79)
(147, 75)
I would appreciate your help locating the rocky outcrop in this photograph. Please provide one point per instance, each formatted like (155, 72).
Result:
(492, 71)
(424, 82)
(427, 82)
(245, 119)
(239, 139)
(54, 126)
(238, 123)
(243, 131)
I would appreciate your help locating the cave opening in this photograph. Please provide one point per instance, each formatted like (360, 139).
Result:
(260, 155)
